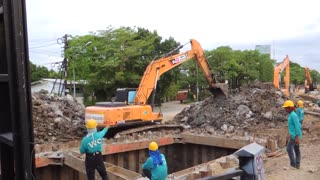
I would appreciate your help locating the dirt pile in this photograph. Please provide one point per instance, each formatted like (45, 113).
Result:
(255, 104)
(56, 119)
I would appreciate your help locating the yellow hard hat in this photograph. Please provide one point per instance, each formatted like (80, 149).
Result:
(91, 124)
(300, 103)
(153, 146)
(288, 103)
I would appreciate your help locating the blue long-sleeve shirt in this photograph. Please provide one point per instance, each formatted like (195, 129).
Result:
(294, 127)
(300, 113)
(157, 173)
(93, 142)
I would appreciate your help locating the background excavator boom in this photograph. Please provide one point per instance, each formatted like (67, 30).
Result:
(285, 64)
(308, 83)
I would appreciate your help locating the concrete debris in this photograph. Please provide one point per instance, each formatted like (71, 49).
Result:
(255, 104)
(56, 119)
(313, 170)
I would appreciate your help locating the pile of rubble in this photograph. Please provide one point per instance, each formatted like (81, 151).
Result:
(56, 119)
(255, 104)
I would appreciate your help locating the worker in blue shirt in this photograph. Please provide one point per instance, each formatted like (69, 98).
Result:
(91, 145)
(300, 112)
(155, 167)
(295, 135)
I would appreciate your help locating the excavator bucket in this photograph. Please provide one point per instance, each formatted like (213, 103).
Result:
(220, 91)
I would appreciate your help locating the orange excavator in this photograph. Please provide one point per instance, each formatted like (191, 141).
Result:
(131, 105)
(308, 83)
(285, 64)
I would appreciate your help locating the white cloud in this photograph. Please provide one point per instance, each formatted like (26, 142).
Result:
(212, 23)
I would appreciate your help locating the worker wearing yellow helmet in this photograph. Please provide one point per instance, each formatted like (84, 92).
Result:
(300, 111)
(295, 134)
(91, 145)
(155, 167)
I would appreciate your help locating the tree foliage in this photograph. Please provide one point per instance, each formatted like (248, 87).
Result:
(297, 74)
(116, 58)
(240, 67)
(38, 72)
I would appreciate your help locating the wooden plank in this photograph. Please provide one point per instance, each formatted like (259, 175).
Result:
(43, 161)
(125, 147)
(224, 142)
(121, 173)
(114, 172)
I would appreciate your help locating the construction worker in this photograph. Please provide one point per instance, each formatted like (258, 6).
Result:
(295, 134)
(155, 167)
(300, 111)
(91, 145)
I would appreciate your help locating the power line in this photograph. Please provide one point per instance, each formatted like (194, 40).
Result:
(46, 51)
(43, 46)
(46, 54)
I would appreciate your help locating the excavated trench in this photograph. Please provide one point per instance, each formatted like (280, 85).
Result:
(123, 160)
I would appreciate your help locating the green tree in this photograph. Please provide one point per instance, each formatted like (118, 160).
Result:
(240, 67)
(116, 58)
(38, 72)
(266, 68)
(296, 73)
(315, 76)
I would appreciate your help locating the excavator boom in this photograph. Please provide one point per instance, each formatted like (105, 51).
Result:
(285, 64)
(157, 67)
(308, 83)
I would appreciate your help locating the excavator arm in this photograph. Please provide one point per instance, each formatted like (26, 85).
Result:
(308, 84)
(285, 64)
(157, 67)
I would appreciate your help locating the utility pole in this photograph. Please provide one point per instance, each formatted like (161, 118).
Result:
(65, 63)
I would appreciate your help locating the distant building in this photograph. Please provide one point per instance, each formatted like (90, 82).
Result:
(55, 86)
(264, 49)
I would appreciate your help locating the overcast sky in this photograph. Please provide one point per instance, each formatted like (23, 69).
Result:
(291, 27)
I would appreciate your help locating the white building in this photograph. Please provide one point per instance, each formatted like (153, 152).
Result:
(54, 86)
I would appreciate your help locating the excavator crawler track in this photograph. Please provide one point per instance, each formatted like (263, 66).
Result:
(127, 131)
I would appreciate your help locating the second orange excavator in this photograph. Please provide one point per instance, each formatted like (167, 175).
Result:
(285, 64)
(131, 105)
(308, 83)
